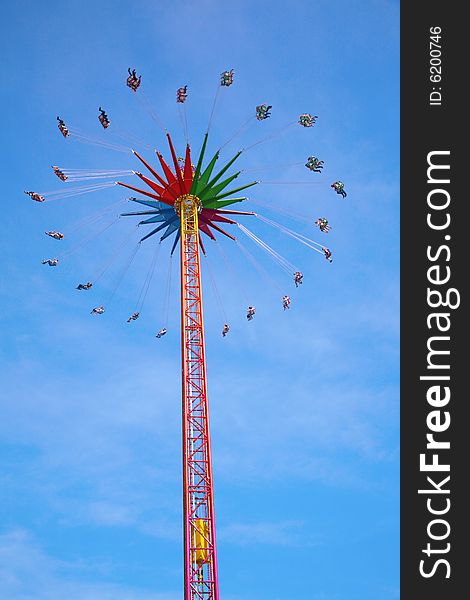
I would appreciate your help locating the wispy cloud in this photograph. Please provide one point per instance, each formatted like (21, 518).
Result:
(27, 572)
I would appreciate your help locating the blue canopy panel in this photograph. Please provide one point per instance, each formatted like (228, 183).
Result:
(162, 226)
(177, 239)
(172, 227)
(163, 215)
(153, 203)
(141, 212)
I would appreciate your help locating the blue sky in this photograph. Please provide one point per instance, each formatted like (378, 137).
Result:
(304, 403)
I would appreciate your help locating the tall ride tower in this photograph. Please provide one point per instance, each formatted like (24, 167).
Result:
(187, 202)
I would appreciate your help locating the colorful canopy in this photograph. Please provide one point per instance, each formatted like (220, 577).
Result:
(209, 188)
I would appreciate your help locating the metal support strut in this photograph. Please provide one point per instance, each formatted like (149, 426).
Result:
(200, 557)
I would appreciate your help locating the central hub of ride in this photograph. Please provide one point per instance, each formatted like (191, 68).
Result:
(187, 203)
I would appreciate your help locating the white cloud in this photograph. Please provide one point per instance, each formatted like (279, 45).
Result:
(29, 573)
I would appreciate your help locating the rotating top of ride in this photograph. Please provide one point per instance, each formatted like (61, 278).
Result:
(184, 186)
(175, 185)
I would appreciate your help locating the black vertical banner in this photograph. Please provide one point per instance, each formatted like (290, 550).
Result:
(435, 259)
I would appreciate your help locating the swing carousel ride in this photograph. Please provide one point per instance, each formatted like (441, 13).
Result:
(186, 203)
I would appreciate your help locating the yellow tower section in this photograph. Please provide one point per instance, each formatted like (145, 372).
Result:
(188, 207)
